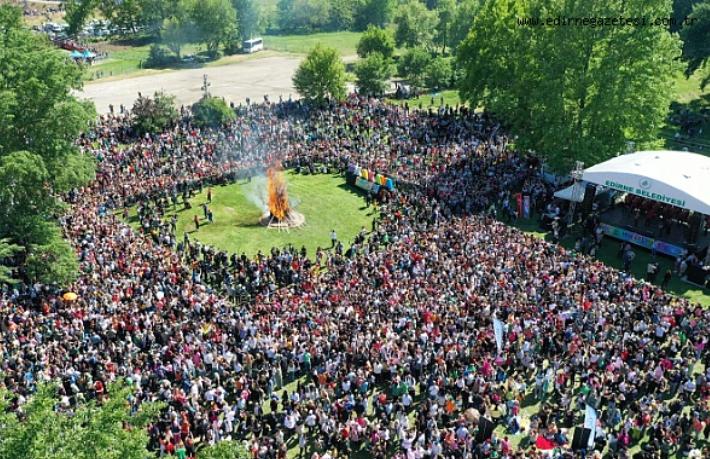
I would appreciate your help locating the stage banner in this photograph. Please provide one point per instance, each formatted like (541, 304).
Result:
(367, 185)
(642, 241)
(526, 206)
(590, 422)
(498, 332)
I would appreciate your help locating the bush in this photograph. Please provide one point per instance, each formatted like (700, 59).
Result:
(412, 66)
(154, 114)
(438, 73)
(212, 112)
(160, 56)
(232, 47)
(373, 74)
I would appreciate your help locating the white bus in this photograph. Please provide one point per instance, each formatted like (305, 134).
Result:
(253, 45)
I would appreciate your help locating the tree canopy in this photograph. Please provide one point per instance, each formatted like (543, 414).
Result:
(40, 121)
(376, 39)
(7, 251)
(375, 12)
(216, 21)
(572, 92)
(212, 111)
(413, 64)
(415, 24)
(696, 40)
(90, 430)
(321, 75)
(373, 73)
(154, 114)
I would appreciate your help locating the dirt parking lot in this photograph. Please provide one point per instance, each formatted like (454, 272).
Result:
(252, 78)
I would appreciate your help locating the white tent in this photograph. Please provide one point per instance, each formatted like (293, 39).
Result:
(678, 178)
(568, 193)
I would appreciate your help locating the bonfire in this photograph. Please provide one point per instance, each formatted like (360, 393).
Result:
(279, 215)
(278, 197)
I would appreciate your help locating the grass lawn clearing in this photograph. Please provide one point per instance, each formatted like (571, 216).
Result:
(690, 97)
(450, 98)
(344, 42)
(326, 201)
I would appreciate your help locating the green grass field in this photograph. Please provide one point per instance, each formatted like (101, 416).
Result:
(326, 201)
(450, 97)
(689, 96)
(344, 42)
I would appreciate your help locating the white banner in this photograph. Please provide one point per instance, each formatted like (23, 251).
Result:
(590, 422)
(498, 331)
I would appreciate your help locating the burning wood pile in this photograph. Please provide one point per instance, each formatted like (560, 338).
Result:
(280, 215)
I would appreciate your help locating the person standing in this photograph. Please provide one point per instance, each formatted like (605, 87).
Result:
(666, 278)
(209, 195)
(197, 222)
(333, 238)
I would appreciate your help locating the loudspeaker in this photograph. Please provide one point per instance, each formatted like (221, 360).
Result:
(589, 193)
(694, 224)
(485, 430)
(581, 438)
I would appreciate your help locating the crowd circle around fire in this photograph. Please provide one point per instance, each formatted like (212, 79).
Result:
(385, 345)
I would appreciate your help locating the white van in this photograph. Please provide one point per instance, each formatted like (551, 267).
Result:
(253, 45)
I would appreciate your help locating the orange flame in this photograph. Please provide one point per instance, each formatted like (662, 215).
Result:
(278, 198)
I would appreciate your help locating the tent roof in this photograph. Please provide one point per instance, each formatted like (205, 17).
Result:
(568, 194)
(678, 178)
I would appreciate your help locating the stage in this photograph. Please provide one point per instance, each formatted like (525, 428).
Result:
(670, 241)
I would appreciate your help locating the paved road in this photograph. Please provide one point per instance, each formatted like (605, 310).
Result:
(252, 78)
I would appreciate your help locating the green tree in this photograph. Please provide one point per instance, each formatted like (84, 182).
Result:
(179, 29)
(412, 66)
(212, 112)
(462, 21)
(376, 39)
(7, 251)
(107, 430)
(445, 12)
(321, 75)
(52, 261)
(303, 16)
(216, 22)
(249, 18)
(38, 112)
(127, 14)
(681, 11)
(572, 93)
(375, 12)
(76, 12)
(373, 73)
(438, 73)
(154, 12)
(696, 40)
(341, 15)
(225, 449)
(154, 114)
(40, 121)
(415, 25)
(26, 206)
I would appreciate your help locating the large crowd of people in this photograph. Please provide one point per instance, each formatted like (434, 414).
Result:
(386, 348)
